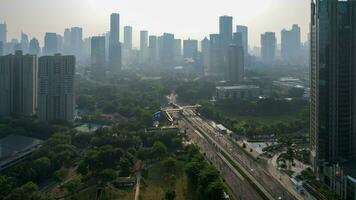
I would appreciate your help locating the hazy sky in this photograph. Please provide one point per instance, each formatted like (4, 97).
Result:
(184, 18)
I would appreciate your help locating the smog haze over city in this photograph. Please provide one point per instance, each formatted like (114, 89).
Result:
(178, 100)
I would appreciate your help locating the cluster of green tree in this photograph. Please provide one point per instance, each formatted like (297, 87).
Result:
(253, 128)
(27, 127)
(55, 153)
(203, 177)
(193, 92)
(262, 107)
(131, 99)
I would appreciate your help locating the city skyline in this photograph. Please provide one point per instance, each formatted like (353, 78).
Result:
(179, 19)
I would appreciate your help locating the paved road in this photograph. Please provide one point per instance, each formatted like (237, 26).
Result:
(138, 183)
(255, 169)
(238, 185)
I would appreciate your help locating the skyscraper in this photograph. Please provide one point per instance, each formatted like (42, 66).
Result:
(225, 32)
(153, 49)
(243, 30)
(291, 44)
(143, 40)
(268, 47)
(216, 60)
(177, 50)
(190, 48)
(333, 95)
(128, 37)
(237, 39)
(98, 54)
(24, 43)
(205, 50)
(76, 42)
(114, 44)
(3, 33)
(143, 46)
(166, 48)
(18, 84)
(56, 98)
(34, 48)
(235, 64)
(50, 44)
(67, 42)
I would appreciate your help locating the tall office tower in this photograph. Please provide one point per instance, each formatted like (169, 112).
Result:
(237, 39)
(56, 100)
(3, 33)
(235, 64)
(24, 43)
(18, 84)
(1, 48)
(143, 46)
(115, 46)
(216, 61)
(50, 44)
(205, 50)
(291, 44)
(190, 48)
(76, 41)
(244, 36)
(167, 48)
(34, 48)
(268, 47)
(67, 42)
(177, 50)
(333, 95)
(153, 49)
(225, 32)
(98, 55)
(128, 37)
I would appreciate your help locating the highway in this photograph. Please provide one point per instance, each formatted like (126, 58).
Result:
(237, 184)
(257, 175)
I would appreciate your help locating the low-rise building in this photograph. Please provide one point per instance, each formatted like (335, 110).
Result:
(238, 92)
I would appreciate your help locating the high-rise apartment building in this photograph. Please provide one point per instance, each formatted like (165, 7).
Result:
(177, 50)
(56, 100)
(98, 52)
(167, 48)
(205, 50)
(235, 64)
(153, 49)
(216, 60)
(243, 30)
(268, 47)
(291, 44)
(128, 37)
(225, 32)
(50, 44)
(190, 48)
(333, 95)
(114, 43)
(76, 42)
(144, 46)
(18, 84)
